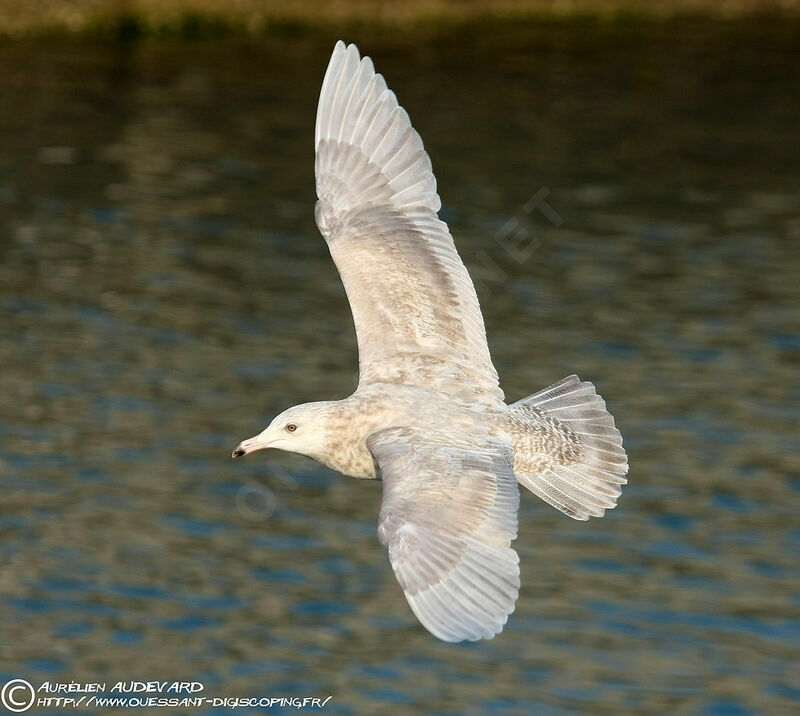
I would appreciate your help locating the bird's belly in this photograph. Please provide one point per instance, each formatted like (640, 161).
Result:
(379, 406)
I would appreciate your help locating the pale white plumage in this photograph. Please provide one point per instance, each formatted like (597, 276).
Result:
(408, 289)
(448, 516)
(428, 415)
(579, 488)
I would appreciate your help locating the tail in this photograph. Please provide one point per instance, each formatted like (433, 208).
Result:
(567, 449)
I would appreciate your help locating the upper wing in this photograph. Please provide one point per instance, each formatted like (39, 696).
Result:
(448, 516)
(416, 314)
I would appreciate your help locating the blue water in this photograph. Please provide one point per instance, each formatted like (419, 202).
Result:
(166, 293)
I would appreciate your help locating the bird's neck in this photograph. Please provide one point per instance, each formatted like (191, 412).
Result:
(347, 428)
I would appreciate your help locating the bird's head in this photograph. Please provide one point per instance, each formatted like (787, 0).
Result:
(301, 429)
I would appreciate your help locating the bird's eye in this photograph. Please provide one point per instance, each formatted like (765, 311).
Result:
(291, 427)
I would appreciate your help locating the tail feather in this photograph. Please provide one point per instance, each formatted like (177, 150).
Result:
(567, 450)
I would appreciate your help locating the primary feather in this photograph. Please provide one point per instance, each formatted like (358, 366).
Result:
(415, 310)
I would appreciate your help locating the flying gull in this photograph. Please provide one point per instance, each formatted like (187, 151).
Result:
(428, 416)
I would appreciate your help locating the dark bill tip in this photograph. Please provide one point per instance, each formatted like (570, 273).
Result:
(238, 452)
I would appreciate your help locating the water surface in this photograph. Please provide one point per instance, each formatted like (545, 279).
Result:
(627, 200)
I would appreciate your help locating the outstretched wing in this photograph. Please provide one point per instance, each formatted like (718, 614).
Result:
(448, 516)
(415, 310)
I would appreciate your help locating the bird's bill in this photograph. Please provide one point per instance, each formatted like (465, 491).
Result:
(251, 445)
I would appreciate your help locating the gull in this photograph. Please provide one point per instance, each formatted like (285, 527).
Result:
(428, 417)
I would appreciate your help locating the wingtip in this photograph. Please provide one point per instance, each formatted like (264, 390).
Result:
(342, 46)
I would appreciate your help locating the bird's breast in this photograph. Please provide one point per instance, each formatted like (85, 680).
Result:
(349, 458)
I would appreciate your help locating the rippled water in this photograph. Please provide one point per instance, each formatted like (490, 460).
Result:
(628, 202)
